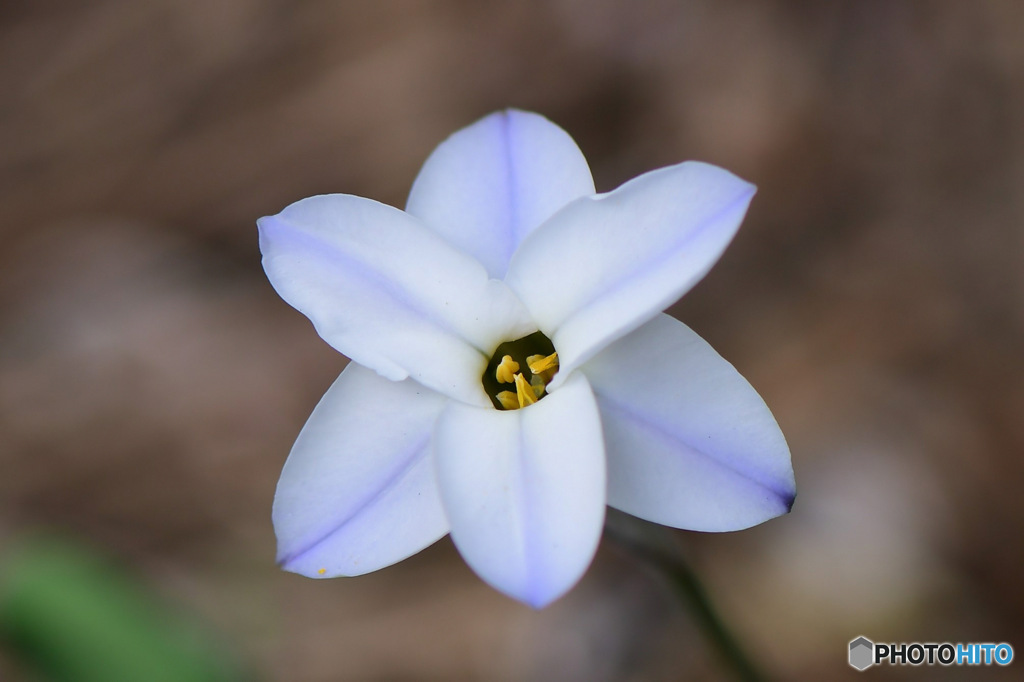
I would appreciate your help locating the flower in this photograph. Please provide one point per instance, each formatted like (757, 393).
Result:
(512, 372)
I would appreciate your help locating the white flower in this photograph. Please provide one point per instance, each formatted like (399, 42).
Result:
(503, 236)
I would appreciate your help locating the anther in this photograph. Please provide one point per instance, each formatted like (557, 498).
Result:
(541, 363)
(539, 385)
(508, 400)
(505, 372)
(524, 392)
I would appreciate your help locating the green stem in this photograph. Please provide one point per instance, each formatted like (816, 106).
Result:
(657, 546)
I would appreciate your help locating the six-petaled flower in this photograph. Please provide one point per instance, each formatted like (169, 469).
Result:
(512, 371)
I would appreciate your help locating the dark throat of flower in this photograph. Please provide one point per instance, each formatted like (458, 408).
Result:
(519, 371)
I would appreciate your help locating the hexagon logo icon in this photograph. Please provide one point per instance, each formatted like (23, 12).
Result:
(862, 653)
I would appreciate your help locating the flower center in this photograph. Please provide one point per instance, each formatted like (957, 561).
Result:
(519, 371)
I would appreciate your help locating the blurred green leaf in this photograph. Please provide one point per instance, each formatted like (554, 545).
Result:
(72, 617)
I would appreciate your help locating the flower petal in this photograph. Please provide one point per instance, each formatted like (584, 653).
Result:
(358, 491)
(690, 443)
(390, 294)
(524, 490)
(604, 265)
(489, 185)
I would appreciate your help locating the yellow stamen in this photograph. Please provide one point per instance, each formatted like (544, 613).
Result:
(508, 400)
(524, 392)
(540, 363)
(321, 571)
(506, 370)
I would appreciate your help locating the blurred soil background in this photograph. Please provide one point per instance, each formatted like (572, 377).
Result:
(152, 382)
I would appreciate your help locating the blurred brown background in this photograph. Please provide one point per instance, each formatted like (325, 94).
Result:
(151, 381)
